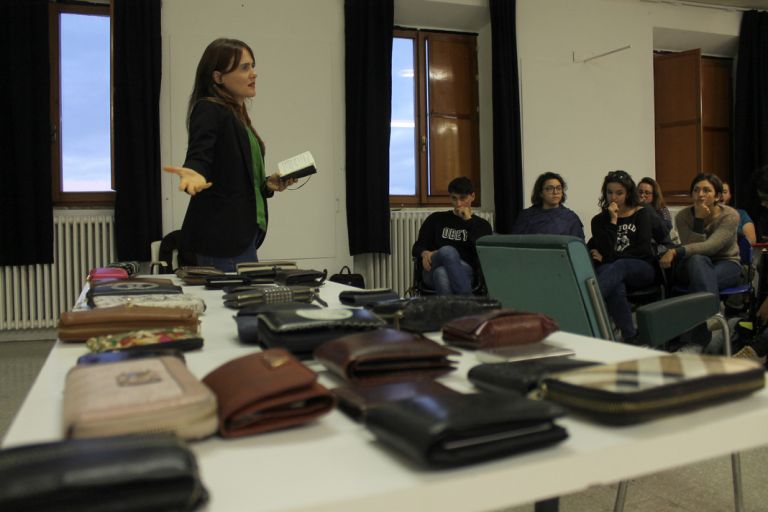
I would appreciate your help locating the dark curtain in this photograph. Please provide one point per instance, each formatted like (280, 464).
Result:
(136, 58)
(26, 207)
(750, 146)
(368, 26)
(507, 160)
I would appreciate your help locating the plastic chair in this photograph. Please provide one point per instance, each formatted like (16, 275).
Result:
(661, 321)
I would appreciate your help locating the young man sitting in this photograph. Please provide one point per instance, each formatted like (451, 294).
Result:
(446, 243)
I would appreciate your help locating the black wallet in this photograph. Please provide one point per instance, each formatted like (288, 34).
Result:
(247, 318)
(520, 376)
(289, 277)
(367, 298)
(355, 400)
(151, 473)
(448, 430)
(430, 313)
(302, 330)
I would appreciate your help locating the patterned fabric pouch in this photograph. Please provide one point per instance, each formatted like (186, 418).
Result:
(177, 338)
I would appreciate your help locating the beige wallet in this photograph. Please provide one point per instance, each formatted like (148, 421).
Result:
(153, 394)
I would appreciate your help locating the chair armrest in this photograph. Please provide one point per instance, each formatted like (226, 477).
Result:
(661, 321)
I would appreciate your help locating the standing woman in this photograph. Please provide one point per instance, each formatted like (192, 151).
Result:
(621, 247)
(708, 258)
(547, 215)
(226, 220)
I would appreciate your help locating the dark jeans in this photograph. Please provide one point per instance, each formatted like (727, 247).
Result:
(229, 263)
(450, 275)
(613, 279)
(700, 274)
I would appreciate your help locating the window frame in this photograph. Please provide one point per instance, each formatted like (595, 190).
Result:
(422, 196)
(59, 197)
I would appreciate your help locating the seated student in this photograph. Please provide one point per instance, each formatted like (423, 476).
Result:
(548, 215)
(446, 243)
(746, 226)
(621, 247)
(708, 258)
(650, 194)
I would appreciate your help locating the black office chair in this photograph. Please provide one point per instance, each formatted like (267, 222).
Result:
(661, 321)
(419, 287)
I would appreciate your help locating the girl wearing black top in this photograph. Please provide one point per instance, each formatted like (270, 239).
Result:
(621, 247)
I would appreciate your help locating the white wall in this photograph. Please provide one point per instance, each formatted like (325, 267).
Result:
(299, 106)
(580, 119)
(585, 119)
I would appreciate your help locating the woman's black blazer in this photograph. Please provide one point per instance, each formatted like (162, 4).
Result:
(221, 220)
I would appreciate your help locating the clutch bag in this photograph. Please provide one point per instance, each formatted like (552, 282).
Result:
(81, 325)
(151, 473)
(642, 389)
(177, 338)
(137, 396)
(160, 300)
(367, 298)
(498, 328)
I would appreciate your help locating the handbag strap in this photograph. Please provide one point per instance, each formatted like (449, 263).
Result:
(345, 267)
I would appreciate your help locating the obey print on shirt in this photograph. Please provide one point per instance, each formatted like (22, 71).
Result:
(460, 235)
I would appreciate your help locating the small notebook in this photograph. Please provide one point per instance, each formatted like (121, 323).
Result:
(297, 166)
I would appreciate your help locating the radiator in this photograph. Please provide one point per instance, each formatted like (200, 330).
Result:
(396, 270)
(33, 296)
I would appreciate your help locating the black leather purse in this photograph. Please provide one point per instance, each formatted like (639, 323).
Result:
(430, 313)
(454, 429)
(114, 474)
(345, 276)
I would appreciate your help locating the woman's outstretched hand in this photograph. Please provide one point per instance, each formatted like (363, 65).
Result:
(190, 181)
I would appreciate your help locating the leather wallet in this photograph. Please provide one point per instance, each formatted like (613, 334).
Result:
(132, 267)
(128, 287)
(455, 429)
(195, 276)
(264, 269)
(430, 313)
(252, 296)
(385, 355)
(355, 400)
(247, 318)
(98, 273)
(520, 376)
(300, 331)
(498, 328)
(177, 338)
(305, 277)
(159, 300)
(643, 389)
(367, 298)
(152, 473)
(81, 325)
(137, 396)
(113, 356)
(219, 282)
(266, 391)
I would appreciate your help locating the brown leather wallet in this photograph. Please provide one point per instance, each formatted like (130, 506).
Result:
(385, 355)
(498, 328)
(266, 391)
(81, 325)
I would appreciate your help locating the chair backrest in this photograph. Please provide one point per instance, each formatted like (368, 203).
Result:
(663, 320)
(549, 274)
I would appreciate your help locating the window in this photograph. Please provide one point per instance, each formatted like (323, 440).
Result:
(434, 128)
(80, 105)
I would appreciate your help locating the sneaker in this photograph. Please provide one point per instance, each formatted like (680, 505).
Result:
(748, 352)
(690, 348)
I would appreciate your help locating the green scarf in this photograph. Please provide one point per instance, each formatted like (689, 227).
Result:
(258, 179)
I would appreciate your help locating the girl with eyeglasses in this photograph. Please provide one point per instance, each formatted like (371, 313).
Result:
(621, 247)
(651, 195)
(548, 215)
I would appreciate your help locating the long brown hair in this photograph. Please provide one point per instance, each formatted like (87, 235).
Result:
(658, 197)
(222, 55)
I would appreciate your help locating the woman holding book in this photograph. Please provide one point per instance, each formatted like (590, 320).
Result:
(226, 220)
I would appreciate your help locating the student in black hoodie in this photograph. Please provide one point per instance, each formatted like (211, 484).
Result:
(621, 247)
(446, 243)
